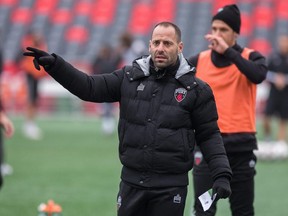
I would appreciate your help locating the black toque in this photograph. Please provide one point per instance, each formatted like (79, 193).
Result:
(230, 14)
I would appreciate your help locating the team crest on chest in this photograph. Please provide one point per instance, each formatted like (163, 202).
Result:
(198, 157)
(180, 94)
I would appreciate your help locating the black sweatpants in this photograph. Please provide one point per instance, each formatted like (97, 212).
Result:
(242, 184)
(32, 85)
(136, 201)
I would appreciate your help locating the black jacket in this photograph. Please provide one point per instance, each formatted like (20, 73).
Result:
(277, 64)
(160, 119)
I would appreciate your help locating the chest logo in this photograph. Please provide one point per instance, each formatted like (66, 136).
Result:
(198, 157)
(141, 87)
(180, 94)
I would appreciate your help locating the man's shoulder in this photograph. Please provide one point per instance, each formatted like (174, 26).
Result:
(201, 82)
(127, 68)
(203, 90)
(253, 54)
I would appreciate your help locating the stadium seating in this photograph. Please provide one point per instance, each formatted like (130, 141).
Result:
(281, 9)
(44, 7)
(141, 17)
(103, 11)
(61, 21)
(166, 12)
(220, 3)
(76, 29)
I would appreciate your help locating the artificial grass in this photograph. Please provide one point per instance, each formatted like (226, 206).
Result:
(77, 166)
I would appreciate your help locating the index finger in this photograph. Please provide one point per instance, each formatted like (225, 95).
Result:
(32, 49)
(29, 54)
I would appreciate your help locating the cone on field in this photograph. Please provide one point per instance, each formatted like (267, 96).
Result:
(49, 209)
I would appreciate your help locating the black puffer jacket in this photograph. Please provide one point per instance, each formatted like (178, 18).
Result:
(160, 119)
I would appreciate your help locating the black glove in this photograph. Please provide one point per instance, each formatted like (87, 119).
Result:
(222, 187)
(40, 58)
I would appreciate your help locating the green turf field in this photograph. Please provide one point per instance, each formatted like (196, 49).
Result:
(78, 167)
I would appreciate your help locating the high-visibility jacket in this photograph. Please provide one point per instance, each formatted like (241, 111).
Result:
(235, 95)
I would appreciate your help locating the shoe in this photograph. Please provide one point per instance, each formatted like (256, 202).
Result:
(272, 150)
(108, 125)
(32, 131)
(6, 169)
(264, 151)
(280, 149)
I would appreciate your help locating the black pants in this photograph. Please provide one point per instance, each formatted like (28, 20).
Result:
(135, 201)
(32, 84)
(242, 184)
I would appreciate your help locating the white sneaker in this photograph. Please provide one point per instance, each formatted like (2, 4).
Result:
(264, 151)
(272, 150)
(6, 169)
(280, 149)
(32, 131)
(108, 125)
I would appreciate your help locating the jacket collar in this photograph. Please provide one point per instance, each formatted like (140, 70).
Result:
(185, 73)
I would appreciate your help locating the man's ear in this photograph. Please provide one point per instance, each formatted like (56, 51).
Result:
(180, 47)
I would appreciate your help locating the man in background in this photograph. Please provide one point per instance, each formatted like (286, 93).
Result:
(276, 104)
(8, 129)
(233, 73)
(30, 128)
(106, 62)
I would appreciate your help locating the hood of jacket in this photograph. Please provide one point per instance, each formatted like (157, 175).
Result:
(184, 67)
(141, 68)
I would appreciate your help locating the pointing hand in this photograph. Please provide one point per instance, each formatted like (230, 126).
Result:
(40, 58)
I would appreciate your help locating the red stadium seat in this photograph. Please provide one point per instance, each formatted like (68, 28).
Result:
(77, 34)
(220, 3)
(83, 8)
(251, 2)
(262, 45)
(21, 15)
(140, 21)
(8, 2)
(164, 13)
(44, 7)
(246, 24)
(263, 16)
(191, 1)
(61, 16)
(282, 9)
(103, 12)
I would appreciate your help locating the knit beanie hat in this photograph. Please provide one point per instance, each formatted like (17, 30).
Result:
(230, 14)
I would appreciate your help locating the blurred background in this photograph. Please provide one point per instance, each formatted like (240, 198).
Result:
(76, 30)
(75, 160)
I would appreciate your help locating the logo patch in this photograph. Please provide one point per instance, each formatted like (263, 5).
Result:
(141, 87)
(252, 163)
(177, 199)
(119, 202)
(198, 158)
(180, 94)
